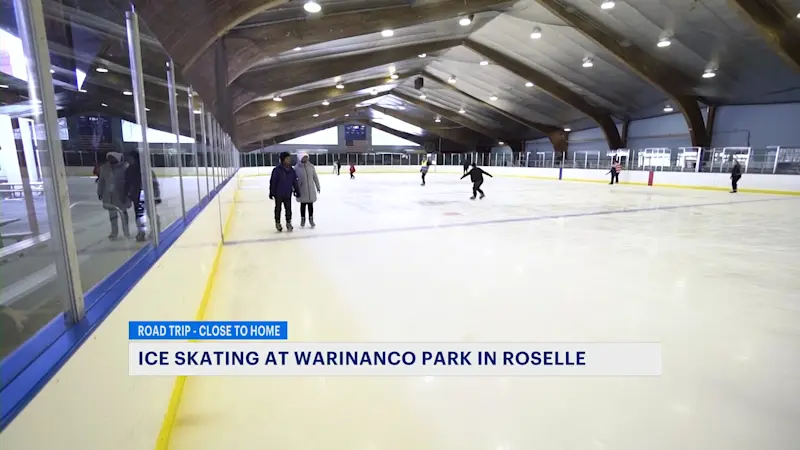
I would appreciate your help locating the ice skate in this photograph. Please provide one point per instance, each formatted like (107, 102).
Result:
(483, 195)
(278, 227)
(289, 227)
(311, 222)
(141, 237)
(302, 222)
(472, 198)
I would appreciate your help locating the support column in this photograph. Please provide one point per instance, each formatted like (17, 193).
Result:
(173, 118)
(31, 27)
(193, 133)
(204, 136)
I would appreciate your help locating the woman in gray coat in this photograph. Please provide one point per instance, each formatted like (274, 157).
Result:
(111, 191)
(309, 187)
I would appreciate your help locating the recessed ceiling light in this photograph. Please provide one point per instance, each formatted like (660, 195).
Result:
(567, 129)
(101, 69)
(493, 97)
(52, 71)
(325, 103)
(528, 84)
(197, 111)
(297, 49)
(664, 42)
(316, 115)
(437, 120)
(537, 33)
(394, 76)
(422, 55)
(127, 93)
(709, 73)
(587, 62)
(340, 86)
(451, 80)
(277, 98)
(347, 115)
(3, 86)
(423, 96)
(668, 108)
(465, 21)
(501, 143)
(312, 7)
(607, 5)
(103, 105)
(484, 63)
(387, 33)
(272, 114)
(147, 109)
(461, 111)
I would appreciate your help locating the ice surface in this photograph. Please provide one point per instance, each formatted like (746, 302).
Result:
(712, 275)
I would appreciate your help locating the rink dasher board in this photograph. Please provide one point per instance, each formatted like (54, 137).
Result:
(264, 359)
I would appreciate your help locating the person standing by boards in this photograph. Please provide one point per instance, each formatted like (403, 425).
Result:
(282, 185)
(308, 188)
(736, 175)
(476, 175)
(616, 168)
(424, 169)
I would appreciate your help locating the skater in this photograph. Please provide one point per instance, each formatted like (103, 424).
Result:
(133, 189)
(616, 168)
(111, 191)
(466, 166)
(352, 171)
(736, 174)
(476, 175)
(424, 170)
(308, 188)
(338, 168)
(282, 185)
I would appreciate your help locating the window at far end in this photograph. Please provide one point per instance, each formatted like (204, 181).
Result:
(383, 138)
(328, 136)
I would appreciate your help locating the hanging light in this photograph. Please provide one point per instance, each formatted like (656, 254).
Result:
(101, 70)
(82, 91)
(461, 111)
(422, 55)
(465, 21)
(537, 33)
(668, 109)
(709, 73)
(607, 5)
(484, 63)
(316, 115)
(451, 80)
(272, 114)
(297, 49)
(197, 111)
(528, 84)
(501, 143)
(3, 86)
(423, 96)
(664, 42)
(127, 93)
(437, 120)
(587, 62)
(277, 98)
(103, 105)
(325, 103)
(567, 129)
(493, 97)
(394, 76)
(387, 33)
(339, 86)
(312, 7)
(347, 115)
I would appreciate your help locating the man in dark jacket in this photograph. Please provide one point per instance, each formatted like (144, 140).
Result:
(466, 166)
(736, 174)
(133, 189)
(282, 185)
(476, 175)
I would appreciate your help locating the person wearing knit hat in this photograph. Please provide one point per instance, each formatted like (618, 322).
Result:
(308, 188)
(282, 185)
(111, 191)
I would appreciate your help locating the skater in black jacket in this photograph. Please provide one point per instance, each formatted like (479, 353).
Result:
(476, 175)
(736, 174)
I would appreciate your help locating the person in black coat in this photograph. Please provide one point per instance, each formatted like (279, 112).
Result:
(466, 167)
(476, 175)
(736, 174)
(282, 185)
(133, 189)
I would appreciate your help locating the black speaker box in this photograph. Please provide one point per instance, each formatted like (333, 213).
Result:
(418, 83)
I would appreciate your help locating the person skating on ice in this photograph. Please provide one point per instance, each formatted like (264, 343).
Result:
(308, 183)
(424, 170)
(616, 168)
(736, 174)
(476, 175)
(282, 185)
(466, 166)
(352, 171)
(133, 188)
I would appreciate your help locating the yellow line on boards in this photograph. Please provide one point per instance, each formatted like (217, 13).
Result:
(171, 415)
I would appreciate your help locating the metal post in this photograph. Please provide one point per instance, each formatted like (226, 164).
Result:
(204, 139)
(210, 151)
(193, 132)
(775, 164)
(135, 55)
(30, 23)
(173, 117)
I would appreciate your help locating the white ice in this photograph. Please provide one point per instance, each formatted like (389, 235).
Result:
(713, 276)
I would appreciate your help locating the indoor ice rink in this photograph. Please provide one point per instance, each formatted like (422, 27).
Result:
(711, 275)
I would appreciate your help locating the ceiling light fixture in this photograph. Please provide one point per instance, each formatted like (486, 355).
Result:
(82, 91)
(587, 62)
(493, 97)
(272, 114)
(101, 69)
(668, 109)
(103, 105)
(461, 111)
(465, 21)
(422, 55)
(664, 42)
(340, 86)
(147, 109)
(52, 71)
(347, 115)
(312, 7)
(197, 111)
(607, 5)
(394, 76)
(325, 103)
(297, 49)
(437, 120)
(567, 129)
(423, 96)
(709, 73)
(798, 15)
(484, 63)
(316, 115)
(451, 80)
(537, 33)
(3, 86)
(127, 93)
(501, 143)
(277, 98)
(387, 33)
(528, 84)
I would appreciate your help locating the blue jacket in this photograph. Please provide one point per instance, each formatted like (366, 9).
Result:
(283, 182)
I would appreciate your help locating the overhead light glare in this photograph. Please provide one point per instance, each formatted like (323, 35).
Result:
(52, 71)
(437, 120)
(325, 103)
(607, 5)
(798, 15)
(197, 111)
(668, 109)
(277, 98)
(451, 80)
(103, 105)
(422, 55)
(709, 74)
(297, 49)
(528, 84)
(3, 86)
(387, 33)
(394, 76)
(82, 91)
(423, 96)
(272, 114)
(347, 115)
(466, 21)
(537, 33)
(493, 97)
(501, 143)
(127, 93)
(316, 115)
(587, 62)
(567, 129)
(101, 69)
(484, 63)
(340, 86)
(461, 111)
(312, 7)
(664, 43)
(147, 109)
